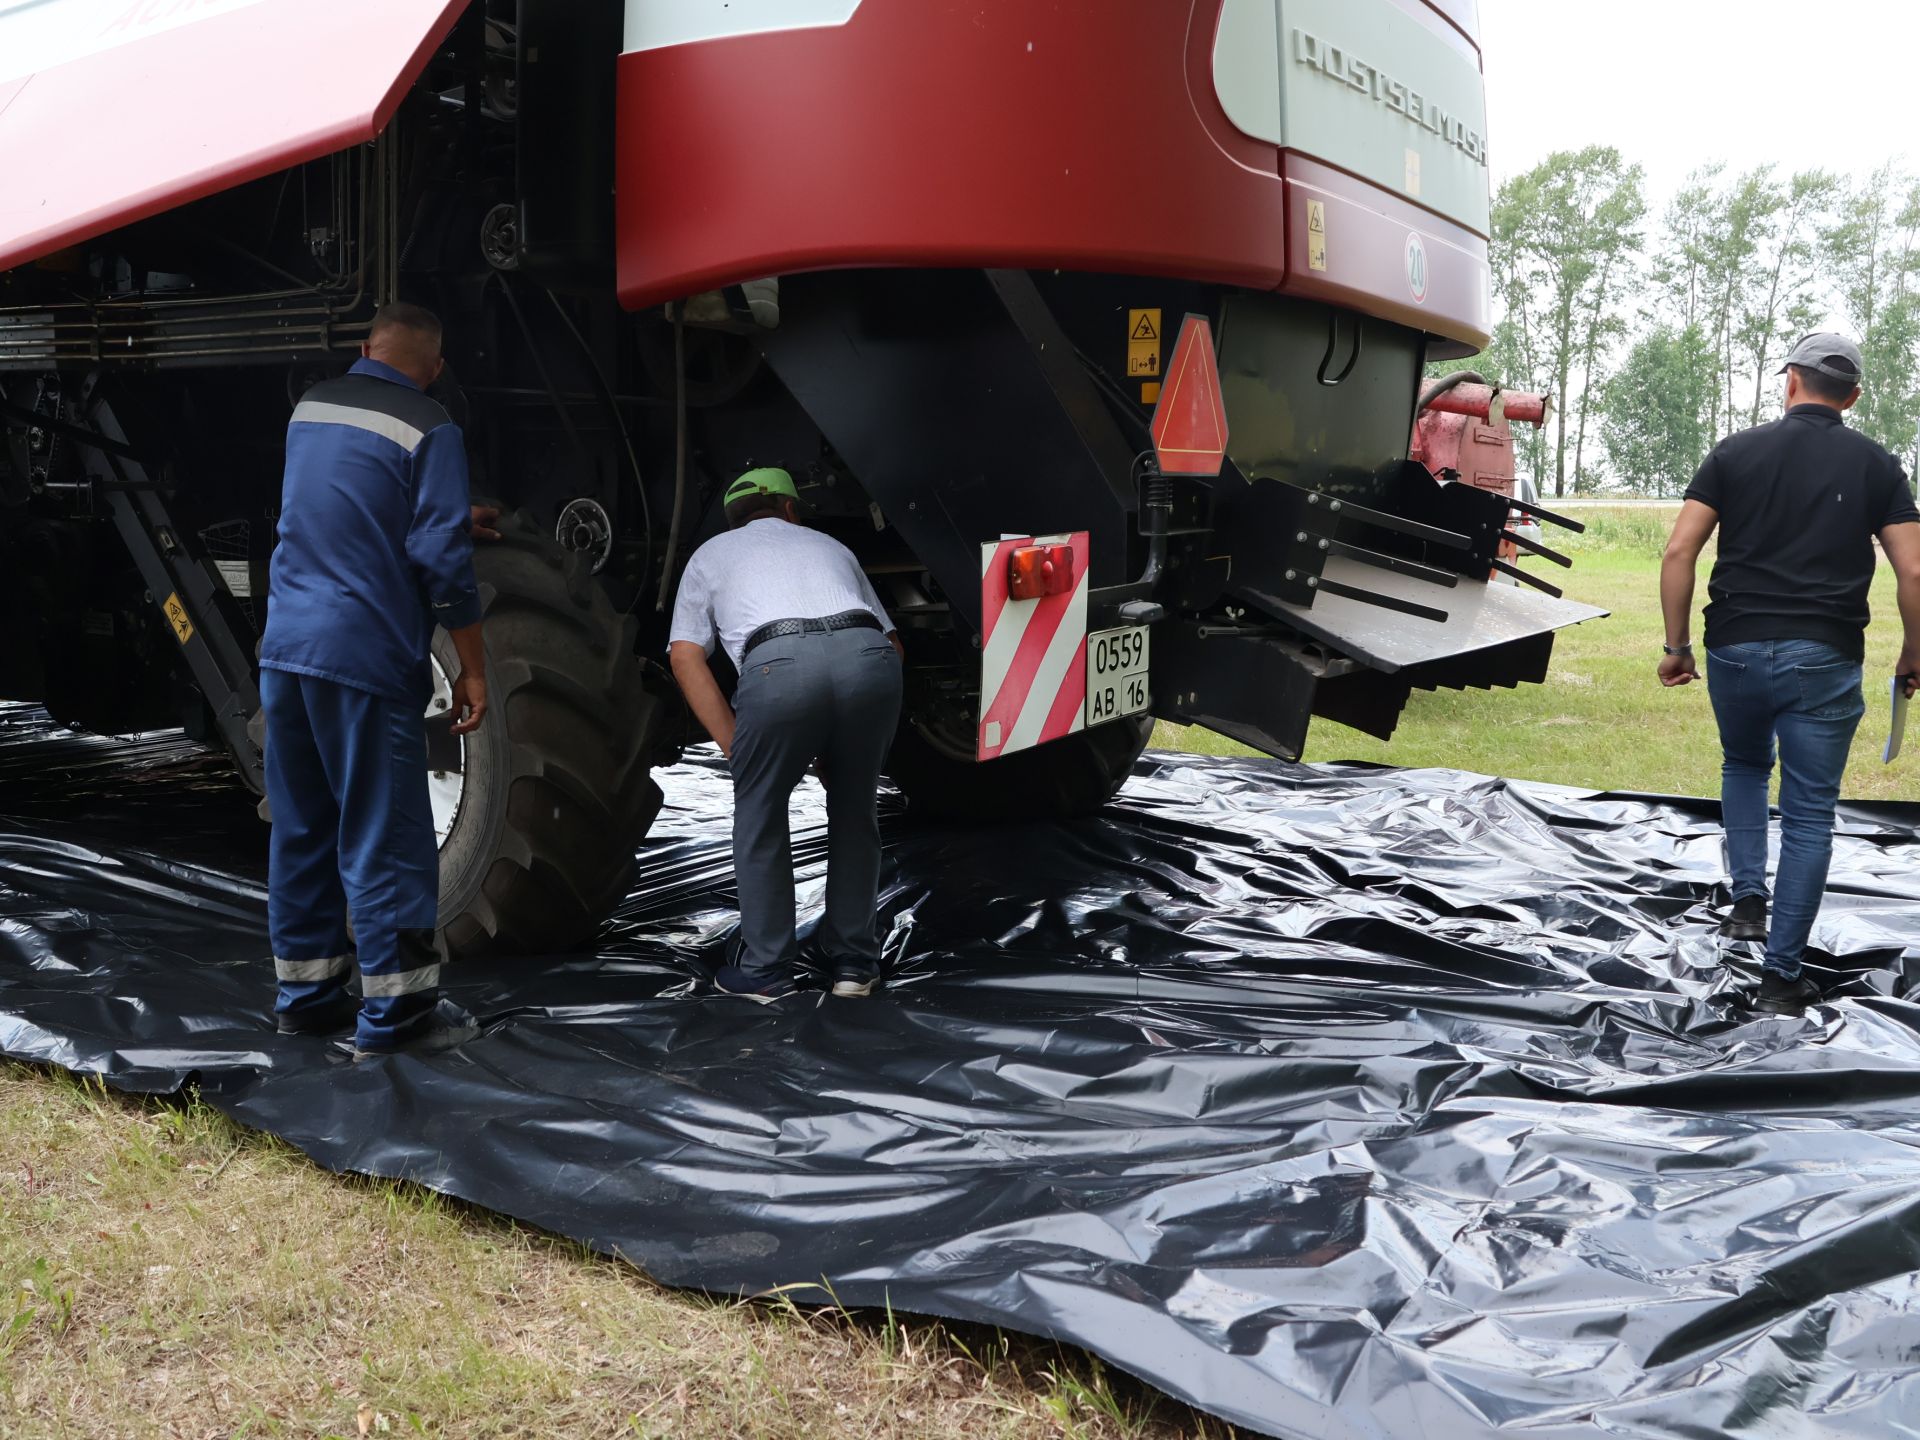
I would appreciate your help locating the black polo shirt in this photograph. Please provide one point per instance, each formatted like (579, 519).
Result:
(1799, 501)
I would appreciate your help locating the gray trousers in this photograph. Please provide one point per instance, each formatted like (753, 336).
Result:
(835, 698)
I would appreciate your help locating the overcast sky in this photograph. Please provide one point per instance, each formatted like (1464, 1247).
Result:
(1676, 83)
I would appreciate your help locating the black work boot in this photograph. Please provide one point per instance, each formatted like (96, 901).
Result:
(328, 1019)
(1777, 995)
(445, 1027)
(1747, 920)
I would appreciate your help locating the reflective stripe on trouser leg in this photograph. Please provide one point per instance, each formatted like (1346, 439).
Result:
(306, 906)
(376, 751)
(296, 972)
(406, 982)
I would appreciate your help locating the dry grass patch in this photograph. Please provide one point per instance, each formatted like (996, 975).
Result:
(164, 1272)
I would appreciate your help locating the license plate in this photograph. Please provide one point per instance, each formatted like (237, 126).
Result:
(1117, 673)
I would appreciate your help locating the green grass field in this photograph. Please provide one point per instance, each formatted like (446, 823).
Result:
(1601, 720)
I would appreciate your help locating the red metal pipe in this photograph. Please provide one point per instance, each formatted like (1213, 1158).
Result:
(1477, 401)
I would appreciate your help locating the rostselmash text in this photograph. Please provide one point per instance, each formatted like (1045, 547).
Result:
(1338, 63)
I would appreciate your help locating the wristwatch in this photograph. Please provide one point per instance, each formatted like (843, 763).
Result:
(1676, 649)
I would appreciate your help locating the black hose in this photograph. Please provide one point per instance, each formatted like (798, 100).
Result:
(546, 377)
(1448, 382)
(679, 450)
(626, 439)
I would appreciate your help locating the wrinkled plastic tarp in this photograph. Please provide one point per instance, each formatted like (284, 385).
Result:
(1338, 1101)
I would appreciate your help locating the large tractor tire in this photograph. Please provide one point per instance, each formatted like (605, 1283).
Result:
(1072, 776)
(541, 810)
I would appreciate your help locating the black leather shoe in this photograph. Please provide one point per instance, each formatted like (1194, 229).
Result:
(1777, 995)
(1747, 920)
(746, 985)
(447, 1028)
(855, 978)
(328, 1019)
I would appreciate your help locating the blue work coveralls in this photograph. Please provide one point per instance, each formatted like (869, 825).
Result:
(374, 550)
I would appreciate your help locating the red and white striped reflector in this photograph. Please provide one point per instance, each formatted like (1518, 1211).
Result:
(1033, 653)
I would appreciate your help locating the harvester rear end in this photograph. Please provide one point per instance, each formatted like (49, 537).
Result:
(933, 260)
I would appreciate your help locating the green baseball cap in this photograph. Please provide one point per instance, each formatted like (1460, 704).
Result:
(768, 481)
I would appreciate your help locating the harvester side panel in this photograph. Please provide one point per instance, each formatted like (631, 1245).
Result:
(1077, 135)
(198, 99)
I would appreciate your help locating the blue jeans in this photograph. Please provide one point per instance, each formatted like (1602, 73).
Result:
(1807, 695)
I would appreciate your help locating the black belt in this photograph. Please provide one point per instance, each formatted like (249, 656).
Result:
(779, 629)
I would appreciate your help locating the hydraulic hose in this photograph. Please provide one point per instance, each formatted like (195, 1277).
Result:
(626, 439)
(679, 451)
(546, 376)
(1447, 382)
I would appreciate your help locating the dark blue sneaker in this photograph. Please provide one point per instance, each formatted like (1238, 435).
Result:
(854, 978)
(761, 989)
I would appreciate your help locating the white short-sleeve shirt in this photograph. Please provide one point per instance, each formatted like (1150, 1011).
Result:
(768, 569)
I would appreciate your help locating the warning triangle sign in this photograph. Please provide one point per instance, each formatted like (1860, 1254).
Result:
(1190, 422)
(1144, 330)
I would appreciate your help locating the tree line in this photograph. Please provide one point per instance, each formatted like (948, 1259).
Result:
(1658, 335)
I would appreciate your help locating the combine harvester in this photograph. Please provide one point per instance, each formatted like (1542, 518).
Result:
(1096, 327)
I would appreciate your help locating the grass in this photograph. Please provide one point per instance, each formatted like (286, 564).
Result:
(164, 1272)
(1601, 720)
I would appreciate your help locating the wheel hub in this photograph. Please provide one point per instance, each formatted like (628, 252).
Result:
(585, 529)
(446, 756)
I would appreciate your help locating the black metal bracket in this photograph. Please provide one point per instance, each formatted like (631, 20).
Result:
(1318, 521)
(1540, 512)
(183, 585)
(1514, 572)
(1053, 352)
(1565, 562)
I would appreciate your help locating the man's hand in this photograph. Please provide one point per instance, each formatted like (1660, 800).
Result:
(709, 706)
(484, 518)
(469, 702)
(1678, 670)
(1691, 530)
(1907, 670)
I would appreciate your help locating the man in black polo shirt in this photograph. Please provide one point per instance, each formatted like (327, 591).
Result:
(1797, 503)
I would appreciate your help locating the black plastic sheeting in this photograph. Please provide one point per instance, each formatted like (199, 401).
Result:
(1338, 1101)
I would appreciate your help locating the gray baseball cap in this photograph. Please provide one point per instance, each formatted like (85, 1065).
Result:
(1832, 355)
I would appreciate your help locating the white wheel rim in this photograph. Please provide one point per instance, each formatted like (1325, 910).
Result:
(447, 789)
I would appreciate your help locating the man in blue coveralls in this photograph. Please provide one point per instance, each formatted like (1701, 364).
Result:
(375, 550)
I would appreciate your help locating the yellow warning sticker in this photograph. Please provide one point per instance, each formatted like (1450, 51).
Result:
(1149, 391)
(1143, 342)
(1316, 234)
(177, 617)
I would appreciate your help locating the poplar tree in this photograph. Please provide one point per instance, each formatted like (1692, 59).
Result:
(1567, 233)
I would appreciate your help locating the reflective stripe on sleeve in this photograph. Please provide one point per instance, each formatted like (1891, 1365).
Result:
(306, 971)
(407, 982)
(319, 412)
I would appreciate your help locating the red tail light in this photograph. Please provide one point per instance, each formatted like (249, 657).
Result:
(1037, 570)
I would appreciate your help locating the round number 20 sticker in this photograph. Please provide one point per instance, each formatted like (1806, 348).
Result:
(1417, 268)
